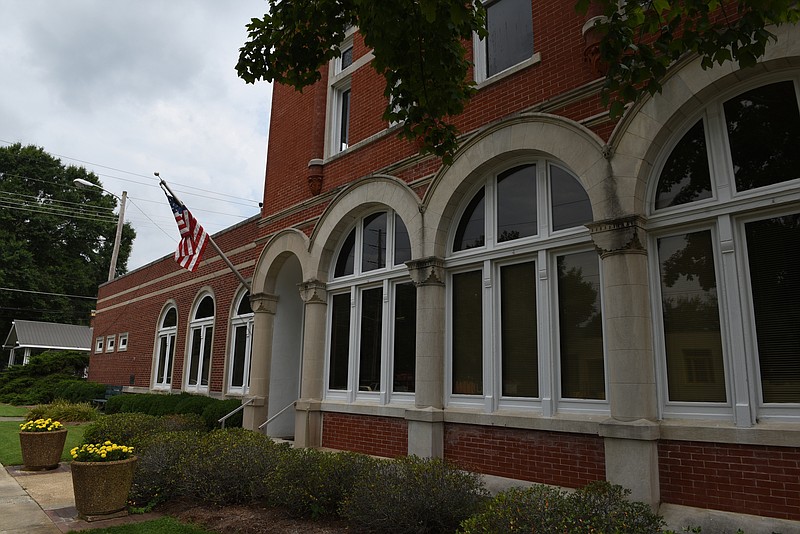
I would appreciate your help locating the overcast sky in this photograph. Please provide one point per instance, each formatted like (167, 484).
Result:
(129, 88)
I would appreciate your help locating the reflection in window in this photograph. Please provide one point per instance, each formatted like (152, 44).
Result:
(242, 326)
(340, 342)
(369, 369)
(373, 252)
(471, 232)
(685, 176)
(347, 256)
(166, 349)
(773, 254)
(764, 134)
(402, 243)
(516, 203)
(405, 336)
(510, 40)
(202, 335)
(580, 327)
(695, 371)
(520, 360)
(467, 334)
(570, 204)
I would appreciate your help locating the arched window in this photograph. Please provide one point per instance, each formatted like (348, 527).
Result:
(372, 343)
(165, 349)
(200, 343)
(727, 257)
(240, 346)
(524, 295)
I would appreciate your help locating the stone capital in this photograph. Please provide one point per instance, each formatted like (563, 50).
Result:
(427, 271)
(264, 303)
(313, 292)
(623, 235)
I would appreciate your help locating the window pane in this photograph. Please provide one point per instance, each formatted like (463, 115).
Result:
(518, 330)
(205, 309)
(207, 342)
(570, 204)
(467, 334)
(764, 133)
(580, 327)
(369, 368)
(244, 305)
(685, 176)
(510, 39)
(373, 251)
(402, 244)
(170, 319)
(516, 203)
(162, 356)
(695, 371)
(344, 120)
(405, 336)
(347, 256)
(194, 357)
(347, 57)
(170, 358)
(773, 253)
(239, 346)
(340, 341)
(471, 229)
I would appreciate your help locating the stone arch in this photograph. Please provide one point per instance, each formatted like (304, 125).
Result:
(531, 135)
(282, 245)
(641, 136)
(353, 201)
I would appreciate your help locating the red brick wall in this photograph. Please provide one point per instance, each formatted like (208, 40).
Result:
(379, 436)
(568, 460)
(748, 479)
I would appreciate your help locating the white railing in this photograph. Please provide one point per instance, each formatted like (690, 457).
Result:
(271, 419)
(222, 419)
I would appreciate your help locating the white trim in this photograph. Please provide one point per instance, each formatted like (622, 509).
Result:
(111, 342)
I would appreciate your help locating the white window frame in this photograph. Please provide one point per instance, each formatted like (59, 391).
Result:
(246, 321)
(480, 59)
(99, 343)
(111, 342)
(725, 214)
(200, 327)
(169, 334)
(122, 343)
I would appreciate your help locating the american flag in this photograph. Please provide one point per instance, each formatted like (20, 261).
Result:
(193, 238)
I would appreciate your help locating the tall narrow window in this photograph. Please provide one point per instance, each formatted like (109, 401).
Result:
(370, 350)
(405, 337)
(340, 342)
(580, 327)
(685, 176)
(165, 349)
(471, 231)
(516, 203)
(510, 40)
(202, 338)
(467, 337)
(373, 254)
(344, 120)
(692, 336)
(520, 360)
(241, 346)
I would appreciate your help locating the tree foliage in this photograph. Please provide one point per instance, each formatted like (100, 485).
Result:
(418, 47)
(54, 238)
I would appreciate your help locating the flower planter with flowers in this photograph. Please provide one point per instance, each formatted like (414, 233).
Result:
(102, 474)
(42, 442)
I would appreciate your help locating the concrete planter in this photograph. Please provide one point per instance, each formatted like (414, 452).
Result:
(101, 488)
(42, 450)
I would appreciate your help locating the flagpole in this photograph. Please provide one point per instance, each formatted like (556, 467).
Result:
(213, 243)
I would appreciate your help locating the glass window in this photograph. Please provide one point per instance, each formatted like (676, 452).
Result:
(510, 40)
(202, 339)
(764, 132)
(373, 253)
(98, 346)
(110, 342)
(685, 176)
(519, 339)
(402, 243)
(165, 349)
(471, 230)
(241, 346)
(580, 327)
(569, 202)
(343, 137)
(340, 342)
(467, 334)
(516, 203)
(692, 338)
(773, 255)
(405, 337)
(123, 342)
(347, 256)
(369, 368)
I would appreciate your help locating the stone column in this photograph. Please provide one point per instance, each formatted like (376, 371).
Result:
(425, 421)
(264, 308)
(308, 415)
(631, 434)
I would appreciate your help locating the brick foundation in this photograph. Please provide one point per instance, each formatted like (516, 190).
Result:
(379, 436)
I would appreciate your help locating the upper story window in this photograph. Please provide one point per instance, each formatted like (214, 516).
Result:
(99, 343)
(339, 99)
(726, 239)
(510, 38)
(110, 342)
(200, 344)
(240, 346)
(165, 349)
(378, 240)
(123, 342)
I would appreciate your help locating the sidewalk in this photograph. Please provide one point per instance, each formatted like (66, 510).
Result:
(42, 502)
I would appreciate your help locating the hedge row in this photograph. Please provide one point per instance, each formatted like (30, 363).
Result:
(47, 377)
(210, 409)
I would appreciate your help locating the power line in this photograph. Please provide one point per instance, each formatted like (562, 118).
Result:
(46, 293)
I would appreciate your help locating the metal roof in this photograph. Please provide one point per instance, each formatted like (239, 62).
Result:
(39, 335)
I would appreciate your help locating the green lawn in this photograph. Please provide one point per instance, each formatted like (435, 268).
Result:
(163, 525)
(10, 453)
(6, 410)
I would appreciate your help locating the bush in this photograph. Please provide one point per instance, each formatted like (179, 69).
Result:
(158, 473)
(48, 376)
(63, 411)
(311, 483)
(214, 411)
(135, 429)
(412, 495)
(80, 391)
(230, 466)
(599, 507)
(155, 404)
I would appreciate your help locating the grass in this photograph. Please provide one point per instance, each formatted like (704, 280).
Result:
(162, 525)
(6, 410)
(11, 454)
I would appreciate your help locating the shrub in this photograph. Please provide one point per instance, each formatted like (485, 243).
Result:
(135, 429)
(229, 466)
(158, 474)
(312, 483)
(64, 411)
(599, 507)
(214, 411)
(155, 404)
(412, 495)
(78, 391)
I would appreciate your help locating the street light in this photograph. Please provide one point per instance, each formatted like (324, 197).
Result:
(112, 270)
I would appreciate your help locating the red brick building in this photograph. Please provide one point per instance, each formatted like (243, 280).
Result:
(572, 299)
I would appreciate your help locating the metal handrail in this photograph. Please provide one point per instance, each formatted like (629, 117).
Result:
(271, 419)
(222, 419)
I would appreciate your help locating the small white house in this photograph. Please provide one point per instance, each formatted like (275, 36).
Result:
(28, 338)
